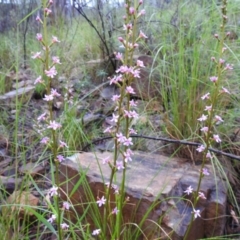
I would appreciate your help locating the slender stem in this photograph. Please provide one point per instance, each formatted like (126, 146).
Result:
(210, 122)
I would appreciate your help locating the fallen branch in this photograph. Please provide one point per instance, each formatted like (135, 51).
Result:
(183, 142)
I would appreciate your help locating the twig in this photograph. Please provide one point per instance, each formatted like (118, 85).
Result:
(183, 142)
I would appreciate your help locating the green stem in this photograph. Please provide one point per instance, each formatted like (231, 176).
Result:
(54, 146)
(210, 122)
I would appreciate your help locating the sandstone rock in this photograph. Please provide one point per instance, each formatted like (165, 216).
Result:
(154, 184)
(33, 169)
(20, 202)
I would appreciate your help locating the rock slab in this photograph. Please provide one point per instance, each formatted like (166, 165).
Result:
(155, 184)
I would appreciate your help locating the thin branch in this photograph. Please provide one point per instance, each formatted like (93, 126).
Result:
(183, 142)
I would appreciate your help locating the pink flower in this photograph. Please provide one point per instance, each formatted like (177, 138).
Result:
(132, 131)
(213, 59)
(64, 226)
(229, 66)
(201, 148)
(218, 119)
(105, 160)
(37, 55)
(127, 27)
(101, 201)
(53, 191)
(134, 114)
(141, 13)
(56, 60)
(131, 10)
(47, 11)
(120, 137)
(202, 118)
(108, 130)
(128, 142)
(115, 211)
(142, 35)
(208, 108)
(224, 90)
(130, 90)
(38, 19)
(39, 37)
(51, 72)
(38, 80)
(119, 56)
(135, 72)
(116, 79)
(133, 103)
(42, 117)
(62, 144)
(60, 158)
(196, 213)
(224, 49)
(208, 155)
(66, 205)
(189, 190)
(131, 114)
(116, 189)
(140, 64)
(204, 129)
(201, 195)
(221, 61)
(54, 93)
(114, 118)
(96, 232)
(55, 39)
(213, 79)
(217, 138)
(52, 218)
(127, 155)
(135, 45)
(115, 98)
(120, 39)
(206, 96)
(205, 171)
(127, 114)
(48, 98)
(123, 69)
(45, 140)
(54, 125)
(119, 165)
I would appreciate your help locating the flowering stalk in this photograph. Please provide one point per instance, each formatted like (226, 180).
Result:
(209, 120)
(122, 120)
(50, 125)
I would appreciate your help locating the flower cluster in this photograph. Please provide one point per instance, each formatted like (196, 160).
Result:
(125, 114)
(65, 206)
(45, 121)
(46, 124)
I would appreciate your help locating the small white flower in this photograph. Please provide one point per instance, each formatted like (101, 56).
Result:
(196, 213)
(64, 226)
(101, 201)
(96, 232)
(201, 148)
(189, 190)
(202, 118)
